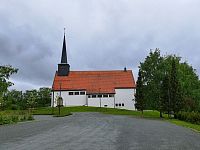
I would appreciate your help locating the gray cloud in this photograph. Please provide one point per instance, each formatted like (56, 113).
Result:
(101, 35)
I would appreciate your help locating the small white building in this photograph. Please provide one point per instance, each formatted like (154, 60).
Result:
(112, 88)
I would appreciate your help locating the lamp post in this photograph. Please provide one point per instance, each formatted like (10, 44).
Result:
(53, 101)
(100, 96)
(59, 100)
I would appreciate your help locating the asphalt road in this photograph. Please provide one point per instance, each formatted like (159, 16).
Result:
(95, 131)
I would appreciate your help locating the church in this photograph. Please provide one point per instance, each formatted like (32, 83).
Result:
(110, 88)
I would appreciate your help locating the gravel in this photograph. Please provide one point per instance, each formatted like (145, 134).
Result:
(96, 131)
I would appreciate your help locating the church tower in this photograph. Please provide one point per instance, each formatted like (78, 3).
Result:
(63, 67)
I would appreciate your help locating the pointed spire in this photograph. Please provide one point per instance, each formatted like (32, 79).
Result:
(64, 52)
(64, 67)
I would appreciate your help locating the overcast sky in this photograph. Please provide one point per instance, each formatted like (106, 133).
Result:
(101, 35)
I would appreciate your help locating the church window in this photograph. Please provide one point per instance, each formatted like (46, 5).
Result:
(105, 95)
(89, 96)
(71, 93)
(111, 95)
(122, 104)
(119, 104)
(99, 95)
(94, 96)
(76, 93)
(116, 104)
(82, 93)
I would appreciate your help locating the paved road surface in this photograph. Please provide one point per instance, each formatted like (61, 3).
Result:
(95, 131)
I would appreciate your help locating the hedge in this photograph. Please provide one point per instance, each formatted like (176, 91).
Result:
(193, 117)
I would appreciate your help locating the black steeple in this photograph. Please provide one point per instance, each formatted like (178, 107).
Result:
(63, 67)
(64, 52)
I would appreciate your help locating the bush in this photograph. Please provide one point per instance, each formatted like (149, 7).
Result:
(15, 118)
(30, 117)
(193, 117)
(14, 107)
(8, 117)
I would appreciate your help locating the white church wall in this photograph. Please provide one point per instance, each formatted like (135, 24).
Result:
(124, 98)
(95, 102)
(52, 97)
(70, 100)
(107, 102)
(101, 102)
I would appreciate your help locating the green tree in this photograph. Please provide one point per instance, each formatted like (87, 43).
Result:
(152, 73)
(165, 105)
(169, 84)
(13, 99)
(176, 98)
(44, 97)
(139, 97)
(30, 98)
(195, 101)
(190, 86)
(5, 73)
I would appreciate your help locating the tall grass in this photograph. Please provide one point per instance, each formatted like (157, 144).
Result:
(13, 116)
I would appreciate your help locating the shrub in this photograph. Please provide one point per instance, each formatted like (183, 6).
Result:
(30, 117)
(8, 117)
(14, 107)
(1, 119)
(15, 118)
(193, 117)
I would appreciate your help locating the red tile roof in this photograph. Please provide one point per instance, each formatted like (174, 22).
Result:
(94, 81)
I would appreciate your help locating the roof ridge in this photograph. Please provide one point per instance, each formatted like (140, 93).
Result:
(97, 70)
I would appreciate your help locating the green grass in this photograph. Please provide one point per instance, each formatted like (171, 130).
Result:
(42, 111)
(14, 116)
(50, 111)
(63, 112)
(147, 114)
(113, 111)
(194, 127)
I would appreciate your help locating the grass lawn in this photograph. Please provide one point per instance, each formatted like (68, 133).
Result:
(50, 111)
(65, 110)
(194, 127)
(147, 114)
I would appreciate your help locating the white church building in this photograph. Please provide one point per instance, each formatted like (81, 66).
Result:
(111, 88)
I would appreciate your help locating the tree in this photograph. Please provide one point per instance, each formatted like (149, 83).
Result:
(196, 101)
(13, 99)
(188, 82)
(36, 98)
(30, 97)
(152, 73)
(5, 73)
(175, 90)
(169, 84)
(190, 86)
(44, 97)
(139, 97)
(165, 105)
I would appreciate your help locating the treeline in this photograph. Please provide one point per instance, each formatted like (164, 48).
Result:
(29, 99)
(17, 99)
(167, 84)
